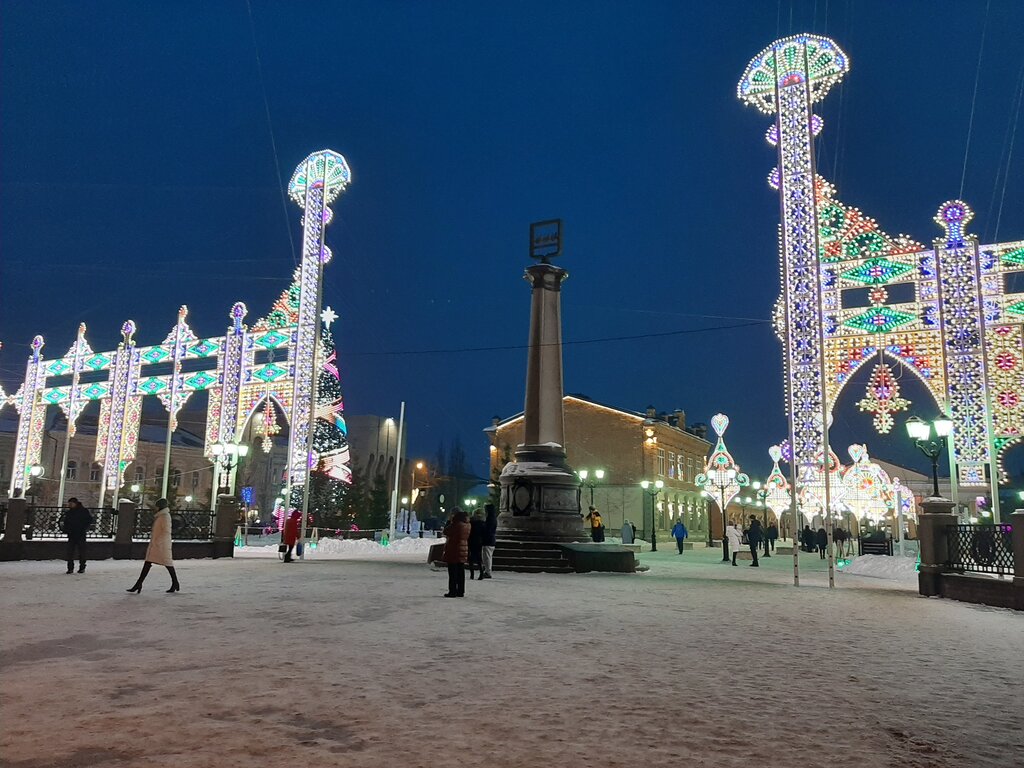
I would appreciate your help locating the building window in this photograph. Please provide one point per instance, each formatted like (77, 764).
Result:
(95, 472)
(140, 473)
(671, 464)
(195, 480)
(175, 478)
(3, 471)
(72, 470)
(689, 469)
(661, 462)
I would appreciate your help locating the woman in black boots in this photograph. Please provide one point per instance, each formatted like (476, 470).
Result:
(159, 550)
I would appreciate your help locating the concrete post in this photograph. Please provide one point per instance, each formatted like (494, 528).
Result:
(931, 532)
(126, 513)
(224, 526)
(16, 511)
(1017, 539)
(543, 419)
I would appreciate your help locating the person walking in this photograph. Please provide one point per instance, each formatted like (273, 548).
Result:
(490, 539)
(596, 524)
(735, 537)
(77, 522)
(476, 544)
(755, 535)
(291, 533)
(628, 532)
(771, 535)
(159, 549)
(456, 552)
(680, 533)
(822, 541)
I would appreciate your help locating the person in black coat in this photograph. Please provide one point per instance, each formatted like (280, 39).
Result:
(77, 522)
(822, 541)
(490, 539)
(770, 537)
(476, 544)
(755, 535)
(807, 539)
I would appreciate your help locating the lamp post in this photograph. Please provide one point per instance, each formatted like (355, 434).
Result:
(920, 432)
(591, 480)
(408, 523)
(35, 472)
(653, 489)
(469, 503)
(137, 490)
(227, 455)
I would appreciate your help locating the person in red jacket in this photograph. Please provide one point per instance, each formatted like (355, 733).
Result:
(291, 533)
(456, 552)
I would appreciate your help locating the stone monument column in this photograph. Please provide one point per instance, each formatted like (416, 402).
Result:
(540, 494)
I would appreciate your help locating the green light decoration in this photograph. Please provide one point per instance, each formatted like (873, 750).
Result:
(877, 271)
(880, 320)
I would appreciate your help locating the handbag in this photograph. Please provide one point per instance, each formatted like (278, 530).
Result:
(282, 547)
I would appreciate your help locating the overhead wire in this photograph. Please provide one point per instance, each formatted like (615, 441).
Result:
(974, 98)
(1009, 156)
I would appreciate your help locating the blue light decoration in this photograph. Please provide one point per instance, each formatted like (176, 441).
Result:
(248, 494)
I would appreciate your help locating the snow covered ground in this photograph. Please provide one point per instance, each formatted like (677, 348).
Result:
(360, 662)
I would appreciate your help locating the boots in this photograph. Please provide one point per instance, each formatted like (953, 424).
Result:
(174, 580)
(71, 566)
(142, 577)
(81, 567)
(734, 558)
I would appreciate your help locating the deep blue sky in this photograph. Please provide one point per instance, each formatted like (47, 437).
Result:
(138, 174)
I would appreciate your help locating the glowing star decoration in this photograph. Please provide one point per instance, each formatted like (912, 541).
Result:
(721, 478)
(853, 293)
(328, 316)
(883, 398)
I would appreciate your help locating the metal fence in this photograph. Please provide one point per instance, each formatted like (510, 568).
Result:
(48, 523)
(186, 524)
(980, 548)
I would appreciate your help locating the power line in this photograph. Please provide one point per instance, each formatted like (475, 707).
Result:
(974, 99)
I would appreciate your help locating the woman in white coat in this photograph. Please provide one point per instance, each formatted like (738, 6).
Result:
(159, 550)
(735, 537)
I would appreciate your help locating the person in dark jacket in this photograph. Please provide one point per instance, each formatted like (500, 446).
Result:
(769, 538)
(77, 522)
(593, 518)
(755, 535)
(476, 544)
(456, 552)
(807, 539)
(680, 533)
(822, 542)
(490, 539)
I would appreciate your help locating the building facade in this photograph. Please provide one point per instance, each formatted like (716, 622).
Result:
(629, 447)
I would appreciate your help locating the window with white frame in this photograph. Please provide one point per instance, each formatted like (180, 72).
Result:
(95, 472)
(661, 462)
(175, 478)
(671, 464)
(140, 473)
(72, 470)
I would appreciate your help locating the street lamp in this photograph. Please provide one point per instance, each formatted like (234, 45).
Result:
(188, 499)
(653, 489)
(470, 502)
(920, 432)
(227, 455)
(590, 482)
(137, 489)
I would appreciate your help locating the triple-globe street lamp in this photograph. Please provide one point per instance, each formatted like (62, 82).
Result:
(227, 456)
(591, 479)
(921, 432)
(653, 489)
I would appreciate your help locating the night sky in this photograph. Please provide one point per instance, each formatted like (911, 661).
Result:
(140, 172)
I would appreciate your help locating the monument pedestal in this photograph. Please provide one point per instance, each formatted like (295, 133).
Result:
(540, 497)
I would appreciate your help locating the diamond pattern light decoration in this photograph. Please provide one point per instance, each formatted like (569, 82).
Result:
(152, 385)
(199, 381)
(269, 372)
(877, 271)
(98, 362)
(155, 354)
(879, 320)
(204, 348)
(272, 340)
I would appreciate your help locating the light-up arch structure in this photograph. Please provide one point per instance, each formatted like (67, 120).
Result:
(853, 295)
(271, 363)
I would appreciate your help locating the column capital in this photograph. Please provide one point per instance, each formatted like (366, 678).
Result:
(547, 277)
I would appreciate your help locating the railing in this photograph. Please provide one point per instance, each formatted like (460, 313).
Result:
(186, 524)
(980, 548)
(868, 545)
(47, 523)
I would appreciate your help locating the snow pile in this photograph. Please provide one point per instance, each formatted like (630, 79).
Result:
(341, 549)
(883, 567)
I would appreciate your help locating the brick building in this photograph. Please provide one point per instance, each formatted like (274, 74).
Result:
(630, 447)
